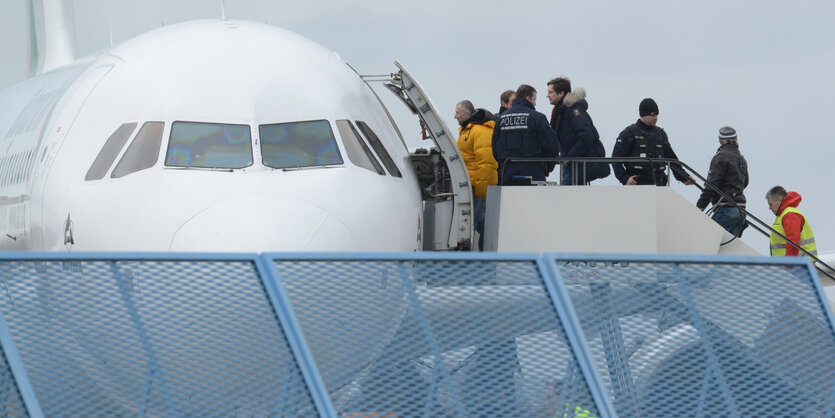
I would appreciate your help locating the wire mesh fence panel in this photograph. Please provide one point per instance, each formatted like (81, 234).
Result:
(11, 401)
(414, 336)
(121, 337)
(705, 337)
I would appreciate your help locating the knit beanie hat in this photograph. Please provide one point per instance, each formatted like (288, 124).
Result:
(648, 107)
(726, 133)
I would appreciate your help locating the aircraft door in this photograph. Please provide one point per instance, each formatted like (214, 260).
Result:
(442, 173)
(57, 130)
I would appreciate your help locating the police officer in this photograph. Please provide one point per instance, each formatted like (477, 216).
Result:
(644, 139)
(522, 132)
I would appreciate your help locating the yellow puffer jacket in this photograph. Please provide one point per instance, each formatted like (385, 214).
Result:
(475, 144)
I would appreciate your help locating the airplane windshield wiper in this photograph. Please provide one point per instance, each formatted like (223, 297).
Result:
(307, 167)
(226, 169)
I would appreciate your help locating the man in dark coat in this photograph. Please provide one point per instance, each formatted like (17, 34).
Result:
(522, 132)
(645, 139)
(506, 99)
(729, 173)
(576, 133)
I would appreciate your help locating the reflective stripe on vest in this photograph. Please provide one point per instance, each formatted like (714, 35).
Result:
(777, 244)
(579, 412)
(645, 144)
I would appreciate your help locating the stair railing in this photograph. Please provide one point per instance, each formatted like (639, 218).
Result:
(682, 168)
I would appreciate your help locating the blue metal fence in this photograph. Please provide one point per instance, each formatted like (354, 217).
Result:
(434, 335)
(705, 336)
(158, 335)
(415, 334)
(16, 396)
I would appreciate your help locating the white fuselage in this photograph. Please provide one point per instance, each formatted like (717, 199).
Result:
(206, 74)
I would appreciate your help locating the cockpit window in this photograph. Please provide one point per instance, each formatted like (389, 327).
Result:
(355, 147)
(299, 144)
(110, 151)
(143, 152)
(379, 149)
(209, 145)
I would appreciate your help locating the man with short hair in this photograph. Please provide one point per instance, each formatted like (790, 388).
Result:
(645, 138)
(576, 134)
(523, 133)
(790, 222)
(475, 143)
(729, 173)
(506, 100)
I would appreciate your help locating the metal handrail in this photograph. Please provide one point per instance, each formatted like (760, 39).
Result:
(764, 227)
(674, 164)
(574, 161)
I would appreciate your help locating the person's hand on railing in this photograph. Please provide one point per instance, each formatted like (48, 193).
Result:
(632, 181)
(689, 181)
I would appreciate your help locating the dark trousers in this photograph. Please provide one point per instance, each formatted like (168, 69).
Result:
(479, 212)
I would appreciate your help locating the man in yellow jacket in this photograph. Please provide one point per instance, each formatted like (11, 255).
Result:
(475, 143)
(790, 222)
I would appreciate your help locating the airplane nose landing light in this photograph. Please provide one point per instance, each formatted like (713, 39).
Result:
(261, 224)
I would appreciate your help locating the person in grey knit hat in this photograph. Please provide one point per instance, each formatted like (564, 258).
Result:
(728, 173)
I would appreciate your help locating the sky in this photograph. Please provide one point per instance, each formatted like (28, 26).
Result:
(764, 67)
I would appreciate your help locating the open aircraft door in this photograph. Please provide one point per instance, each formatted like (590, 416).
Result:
(444, 181)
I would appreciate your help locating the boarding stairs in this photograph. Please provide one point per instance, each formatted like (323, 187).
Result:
(616, 219)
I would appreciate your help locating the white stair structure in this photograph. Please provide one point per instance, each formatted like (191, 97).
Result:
(609, 219)
(602, 219)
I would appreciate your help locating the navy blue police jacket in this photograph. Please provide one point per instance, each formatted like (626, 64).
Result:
(522, 132)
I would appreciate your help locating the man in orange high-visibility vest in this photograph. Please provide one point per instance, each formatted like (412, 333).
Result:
(790, 222)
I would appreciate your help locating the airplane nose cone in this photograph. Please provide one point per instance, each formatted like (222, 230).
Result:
(262, 224)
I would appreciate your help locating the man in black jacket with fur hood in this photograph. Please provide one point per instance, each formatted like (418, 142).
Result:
(576, 134)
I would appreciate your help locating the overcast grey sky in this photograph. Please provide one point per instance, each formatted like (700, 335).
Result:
(765, 67)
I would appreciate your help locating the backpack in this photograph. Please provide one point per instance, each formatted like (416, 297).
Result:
(597, 170)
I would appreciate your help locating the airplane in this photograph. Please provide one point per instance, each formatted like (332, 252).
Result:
(211, 135)
(221, 135)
